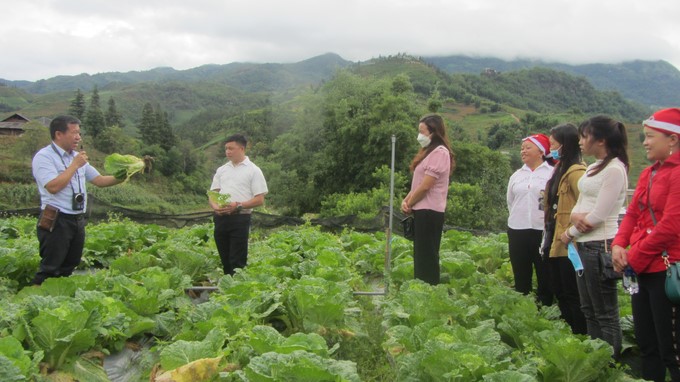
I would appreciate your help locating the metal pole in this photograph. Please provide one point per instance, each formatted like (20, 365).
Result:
(388, 260)
(388, 250)
(202, 288)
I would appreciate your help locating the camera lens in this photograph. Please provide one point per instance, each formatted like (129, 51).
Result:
(79, 198)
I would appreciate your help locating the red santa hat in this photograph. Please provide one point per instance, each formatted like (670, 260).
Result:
(665, 120)
(541, 141)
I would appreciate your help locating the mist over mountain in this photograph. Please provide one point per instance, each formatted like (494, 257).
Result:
(651, 83)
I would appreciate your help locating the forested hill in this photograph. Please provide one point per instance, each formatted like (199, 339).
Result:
(245, 76)
(652, 83)
(545, 90)
(208, 95)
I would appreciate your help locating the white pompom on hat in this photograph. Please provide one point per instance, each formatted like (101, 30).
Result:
(665, 120)
(541, 141)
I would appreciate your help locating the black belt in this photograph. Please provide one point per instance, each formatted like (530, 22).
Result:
(599, 244)
(72, 216)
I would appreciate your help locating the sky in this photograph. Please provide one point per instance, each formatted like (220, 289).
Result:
(45, 38)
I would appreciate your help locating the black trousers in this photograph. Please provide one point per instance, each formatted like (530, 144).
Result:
(563, 285)
(657, 327)
(61, 249)
(231, 237)
(428, 226)
(523, 245)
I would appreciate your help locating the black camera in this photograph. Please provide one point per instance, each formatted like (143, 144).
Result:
(78, 202)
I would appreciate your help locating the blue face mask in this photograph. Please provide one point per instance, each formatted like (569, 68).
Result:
(572, 254)
(555, 154)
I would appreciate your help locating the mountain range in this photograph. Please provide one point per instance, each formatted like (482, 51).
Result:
(650, 83)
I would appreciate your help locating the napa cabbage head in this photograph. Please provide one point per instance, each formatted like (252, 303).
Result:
(122, 167)
(220, 199)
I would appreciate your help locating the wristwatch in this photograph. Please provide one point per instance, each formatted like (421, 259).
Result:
(239, 207)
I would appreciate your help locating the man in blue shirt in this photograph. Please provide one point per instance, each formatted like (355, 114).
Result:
(61, 174)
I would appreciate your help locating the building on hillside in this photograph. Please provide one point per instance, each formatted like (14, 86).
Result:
(489, 72)
(14, 124)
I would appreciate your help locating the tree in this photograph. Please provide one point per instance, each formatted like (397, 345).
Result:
(190, 158)
(77, 108)
(504, 134)
(360, 116)
(487, 169)
(147, 126)
(155, 129)
(402, 84)
(94, 118)
(166, 137)
(171, 162)
(295, 160)
(113, 140)
(35, 137)
(435, 102)
(113, 117)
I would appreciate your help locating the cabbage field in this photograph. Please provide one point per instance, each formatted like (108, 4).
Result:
(132, 312)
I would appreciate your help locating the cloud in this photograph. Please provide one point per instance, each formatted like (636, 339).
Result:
(45, 38)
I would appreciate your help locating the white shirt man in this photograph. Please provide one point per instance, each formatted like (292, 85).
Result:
(246, 185)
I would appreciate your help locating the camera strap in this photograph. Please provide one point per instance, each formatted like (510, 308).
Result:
(70, 183)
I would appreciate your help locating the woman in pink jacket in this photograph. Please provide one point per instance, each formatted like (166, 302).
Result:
(656, 318)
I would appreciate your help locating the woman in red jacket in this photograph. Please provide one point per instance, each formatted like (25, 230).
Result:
(656, 318)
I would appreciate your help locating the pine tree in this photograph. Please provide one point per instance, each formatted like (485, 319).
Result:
(113, 117)
(167, 138)
(147, 126)
(77, 108)
(94, 118)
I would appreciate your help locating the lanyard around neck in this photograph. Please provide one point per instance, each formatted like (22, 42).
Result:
(80, 190)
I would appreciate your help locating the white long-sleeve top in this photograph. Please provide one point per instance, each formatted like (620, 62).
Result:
(601, 196)
(526, 189)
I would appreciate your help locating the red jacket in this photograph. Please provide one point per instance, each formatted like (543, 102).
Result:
(637, 229)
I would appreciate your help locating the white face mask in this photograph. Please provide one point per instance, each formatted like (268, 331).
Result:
(423, 140)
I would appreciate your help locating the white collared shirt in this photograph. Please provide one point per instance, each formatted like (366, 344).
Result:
(526, 190)
(242, 181)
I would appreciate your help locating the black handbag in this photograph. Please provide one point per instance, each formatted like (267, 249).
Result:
(607, 271)
(408, 226)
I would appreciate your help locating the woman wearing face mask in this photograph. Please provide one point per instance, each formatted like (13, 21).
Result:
(431, 167)
(594, 218)
(561, 194)
(655, 317)
(526, 219)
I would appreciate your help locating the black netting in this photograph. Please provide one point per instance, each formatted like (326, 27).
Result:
(99, 210)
